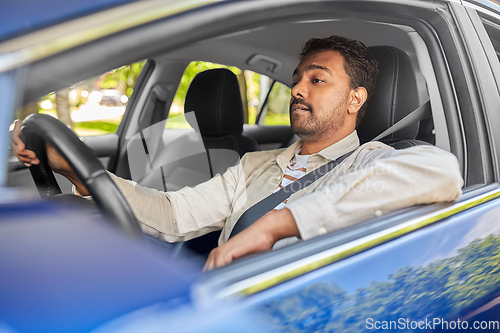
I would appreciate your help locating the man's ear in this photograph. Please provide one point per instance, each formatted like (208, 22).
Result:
(357, 99)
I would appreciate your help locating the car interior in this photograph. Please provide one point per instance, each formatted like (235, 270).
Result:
(270, 47)
(438, 85)
(215, 98)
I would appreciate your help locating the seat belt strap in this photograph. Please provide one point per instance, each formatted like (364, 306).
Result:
(420, 113)
(269, 203)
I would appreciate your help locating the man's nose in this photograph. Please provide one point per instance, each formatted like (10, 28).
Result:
(299, 90)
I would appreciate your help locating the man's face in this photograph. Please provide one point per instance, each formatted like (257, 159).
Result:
(320, 92)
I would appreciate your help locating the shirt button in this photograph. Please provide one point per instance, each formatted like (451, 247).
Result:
(278, 178)
(378, 213)
(322, 231)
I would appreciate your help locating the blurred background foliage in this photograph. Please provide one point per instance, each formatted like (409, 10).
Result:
(192, 69)
(122, 78)
(113, 89)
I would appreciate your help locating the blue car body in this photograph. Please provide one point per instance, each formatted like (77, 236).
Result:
(75, 277)
(432, 268)
(21, 17)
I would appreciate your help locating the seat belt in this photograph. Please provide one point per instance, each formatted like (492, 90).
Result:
(269, 203)
(420, 113)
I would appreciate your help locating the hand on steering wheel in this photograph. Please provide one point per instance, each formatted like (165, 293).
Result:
(77, 160)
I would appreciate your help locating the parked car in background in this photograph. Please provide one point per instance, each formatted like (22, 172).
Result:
(112, 97)
(69, 266)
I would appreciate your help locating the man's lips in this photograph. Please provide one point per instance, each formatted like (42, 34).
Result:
(299, 108)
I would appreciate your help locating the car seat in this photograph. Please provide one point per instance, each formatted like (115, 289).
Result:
(214, 97)
(214, 109)
(400, 90)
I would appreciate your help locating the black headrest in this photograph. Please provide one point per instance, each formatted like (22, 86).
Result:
(396, 95)
(214, 96)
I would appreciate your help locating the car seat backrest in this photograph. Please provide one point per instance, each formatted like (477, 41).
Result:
(217, 142)
(214, 96)
(400, 90)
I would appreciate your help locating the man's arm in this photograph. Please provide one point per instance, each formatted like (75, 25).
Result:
(258, 237)
(56, 162)
(191, 213)
(393, 180)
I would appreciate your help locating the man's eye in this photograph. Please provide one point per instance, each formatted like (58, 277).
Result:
(317, 80)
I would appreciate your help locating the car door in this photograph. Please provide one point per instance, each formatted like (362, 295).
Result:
(431, 268)
(485, 18)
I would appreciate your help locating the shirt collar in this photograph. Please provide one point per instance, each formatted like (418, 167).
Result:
(332, 152)
(341, 147)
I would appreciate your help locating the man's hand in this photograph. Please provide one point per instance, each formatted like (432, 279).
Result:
(23, 155)
(258, 237)
(56, 162)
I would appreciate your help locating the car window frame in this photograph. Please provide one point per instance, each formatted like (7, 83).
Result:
(264, 109)
(491, 87)
(259, 120)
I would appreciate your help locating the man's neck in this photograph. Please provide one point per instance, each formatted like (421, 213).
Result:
(315, 146)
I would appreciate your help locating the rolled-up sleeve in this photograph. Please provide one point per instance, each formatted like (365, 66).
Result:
(389, 180)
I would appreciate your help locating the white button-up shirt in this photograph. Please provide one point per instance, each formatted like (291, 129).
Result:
(374, 180)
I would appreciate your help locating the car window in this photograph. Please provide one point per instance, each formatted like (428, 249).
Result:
(275, 111)
(176, 117)
(254, 89)
(91, 107)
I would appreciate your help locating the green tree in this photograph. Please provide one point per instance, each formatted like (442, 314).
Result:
(190, 72)
(122, 78)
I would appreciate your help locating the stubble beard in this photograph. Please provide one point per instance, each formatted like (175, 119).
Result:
(311, 128)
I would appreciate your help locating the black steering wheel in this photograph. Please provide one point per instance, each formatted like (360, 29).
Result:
(38, 129)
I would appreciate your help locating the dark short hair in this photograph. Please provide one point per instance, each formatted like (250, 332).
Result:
(359, 63)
